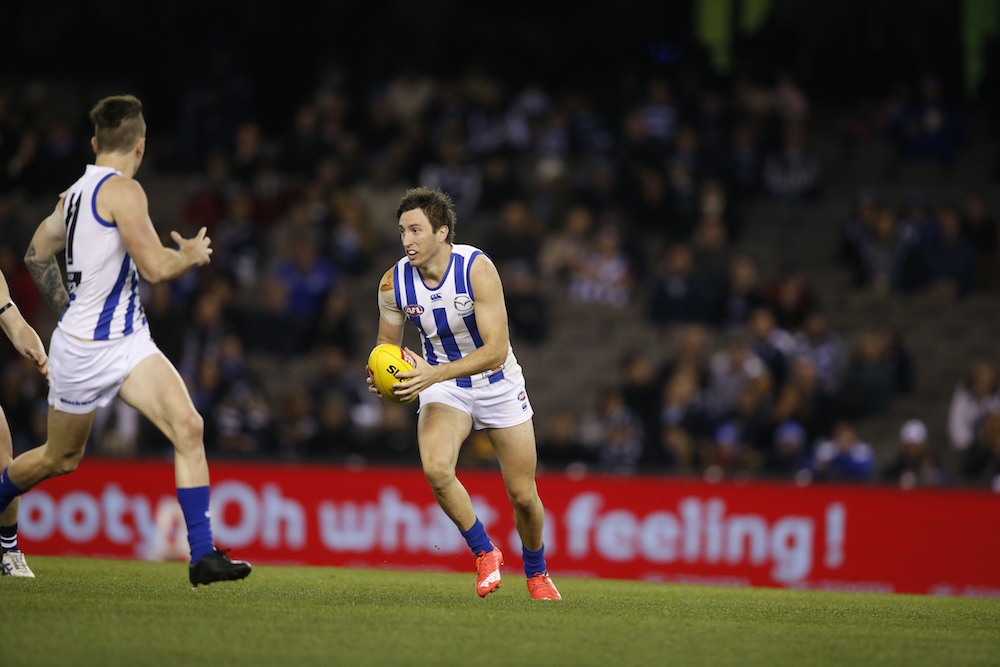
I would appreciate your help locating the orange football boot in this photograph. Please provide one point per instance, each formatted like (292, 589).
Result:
(488, 571)
(541, 587)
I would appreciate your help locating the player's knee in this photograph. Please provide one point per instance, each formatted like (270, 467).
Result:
(190, 429)
(439, 475)
(65, 464)
(525, 501)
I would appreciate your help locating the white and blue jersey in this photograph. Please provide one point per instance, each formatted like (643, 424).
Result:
(103, 281)
(445, 316)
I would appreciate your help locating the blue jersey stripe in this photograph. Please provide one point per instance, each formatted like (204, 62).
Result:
(447, 339)
(129, 314)
(470, 324)
(468, 272)
(93, 204)
(411, 300)
(496, 377)
(459, 273)
(103, 329)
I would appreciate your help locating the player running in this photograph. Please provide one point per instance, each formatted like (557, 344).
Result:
(27, 342)
(102, 346)
(468, 378)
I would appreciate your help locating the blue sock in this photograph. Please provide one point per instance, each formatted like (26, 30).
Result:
(534, 561)
(8, 491)
(477, 538)
(194, 504)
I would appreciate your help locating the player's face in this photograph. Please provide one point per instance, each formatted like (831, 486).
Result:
(420, 241)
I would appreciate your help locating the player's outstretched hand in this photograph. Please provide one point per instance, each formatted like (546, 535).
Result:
(422, 376)
(40, 358)
(198, 250)
(371, 381)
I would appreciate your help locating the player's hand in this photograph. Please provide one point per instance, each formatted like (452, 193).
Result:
(198, 250)
(422, 376)
(40, 358)
(371, 381)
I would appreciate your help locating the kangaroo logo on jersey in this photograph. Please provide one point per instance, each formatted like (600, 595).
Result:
(414, 310)
(464, 303)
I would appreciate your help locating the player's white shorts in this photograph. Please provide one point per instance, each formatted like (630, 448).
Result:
(86, 375)
(498, 405)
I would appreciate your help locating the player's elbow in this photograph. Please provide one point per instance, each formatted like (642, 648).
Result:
(498, 355)
(151, 274)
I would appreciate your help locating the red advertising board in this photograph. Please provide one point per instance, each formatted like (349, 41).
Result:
(943, 542)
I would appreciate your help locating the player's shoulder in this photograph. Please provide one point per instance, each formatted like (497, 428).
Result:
(388, 281)
(123, 186)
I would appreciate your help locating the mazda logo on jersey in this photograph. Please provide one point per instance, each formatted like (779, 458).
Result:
(414, 310)
(463, 303)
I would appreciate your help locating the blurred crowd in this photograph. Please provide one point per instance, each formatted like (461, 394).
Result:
(634, 201)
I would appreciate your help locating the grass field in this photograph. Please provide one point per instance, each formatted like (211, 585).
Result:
(95, 612)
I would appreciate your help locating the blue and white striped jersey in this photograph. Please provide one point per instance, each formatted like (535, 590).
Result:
(103, 281)
(445, 316)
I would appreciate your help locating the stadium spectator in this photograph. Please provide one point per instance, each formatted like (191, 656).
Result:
(517, 238)
(561, 252)
(731, 371)
(790, 298)
(527, 305)
(824, 348)
(974, 400)
(454, 175)
(981, 461)
(844, 457)
(792, 174)
(306, 275)
(804, 401)
(914, 463)
(616, 433)
(949, 258)
(680, 293)
(741, 295)
(641, 394)
(870, 381)
(691, 356)
(858, 228)
(659, 112)
(605, 276)
(926, 128)
(790, 451)
(980, 228)
(379, 193)
(881, 256)
(744, 162)
(772, 344)
(559, 446)
(712, 254)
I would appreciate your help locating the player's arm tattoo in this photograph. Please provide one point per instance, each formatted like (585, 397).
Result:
(48, 278)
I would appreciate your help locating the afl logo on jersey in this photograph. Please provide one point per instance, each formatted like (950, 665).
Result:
(463, 303)
(521, 395)
(414, 310)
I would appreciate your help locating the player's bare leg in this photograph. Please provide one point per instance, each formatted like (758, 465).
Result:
(12, 562)
(515, 449)
(155, 388)
(58, 456)
(441, 430)
(61, 453)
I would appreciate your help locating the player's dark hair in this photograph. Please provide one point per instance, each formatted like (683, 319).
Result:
(118, 123)
(436, 205)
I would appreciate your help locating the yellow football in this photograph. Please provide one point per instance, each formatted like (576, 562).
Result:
(384, 362)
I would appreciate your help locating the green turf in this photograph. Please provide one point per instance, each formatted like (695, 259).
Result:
(95, 612)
